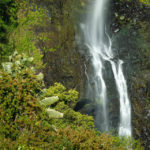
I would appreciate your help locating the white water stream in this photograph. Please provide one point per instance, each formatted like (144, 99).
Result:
(100, 48)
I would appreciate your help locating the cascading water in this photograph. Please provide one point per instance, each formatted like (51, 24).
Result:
(99, 45)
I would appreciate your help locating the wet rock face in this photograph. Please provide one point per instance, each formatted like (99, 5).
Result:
(128, 11)
(129, 27)
(64, 66)
(62, 60)
(141, 108)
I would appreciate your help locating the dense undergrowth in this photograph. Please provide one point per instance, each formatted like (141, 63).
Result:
(24, 123)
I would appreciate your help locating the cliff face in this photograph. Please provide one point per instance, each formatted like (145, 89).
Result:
(63, 63)
(130, 34)
(65, 66)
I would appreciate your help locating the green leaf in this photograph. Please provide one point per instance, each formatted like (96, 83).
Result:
(7, 66)
(122, 17)
(40, 76)
(49, 101)
(54, 114)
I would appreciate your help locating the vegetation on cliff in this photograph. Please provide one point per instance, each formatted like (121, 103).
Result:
(8, 21)
(25, 123)
(34, 36)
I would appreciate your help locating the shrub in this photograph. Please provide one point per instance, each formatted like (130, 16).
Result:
(70, 97)
(23, 121)
(72, 118)
(83, 139)
(19, 89)
(67, 100)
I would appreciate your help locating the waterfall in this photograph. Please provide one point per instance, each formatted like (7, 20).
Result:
(99, 45)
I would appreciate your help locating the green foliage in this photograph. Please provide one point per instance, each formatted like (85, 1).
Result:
(67, 100)
(24, 123)
(82, 139)
(8, 22)
(8, 9)
(51, 112)
(22, 119)
(49, 101)
(18, 98)
(70, 97)
(147, 2)
(24, 38)
(72, 118)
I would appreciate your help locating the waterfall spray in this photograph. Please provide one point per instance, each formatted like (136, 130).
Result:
(99, 46)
